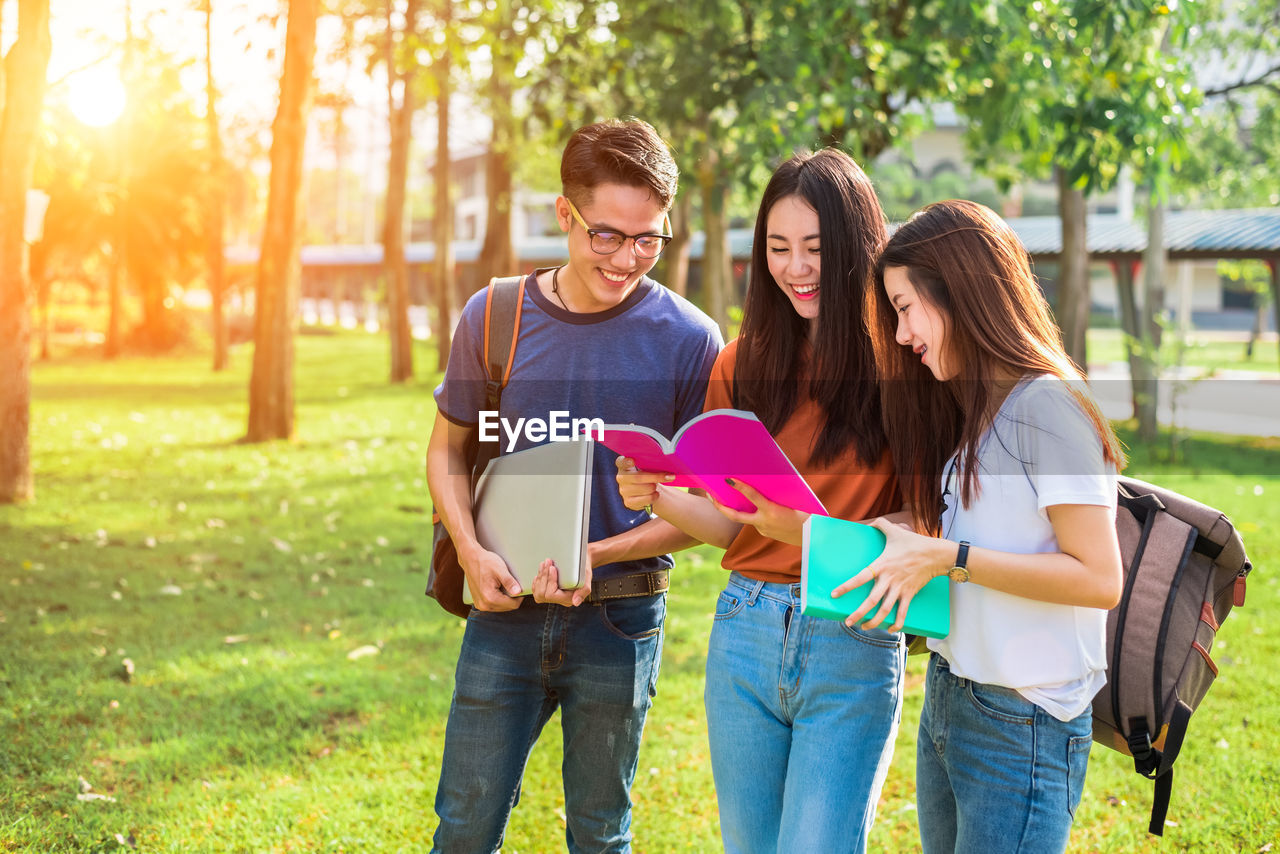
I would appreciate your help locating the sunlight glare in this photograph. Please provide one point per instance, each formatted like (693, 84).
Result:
(97, 97)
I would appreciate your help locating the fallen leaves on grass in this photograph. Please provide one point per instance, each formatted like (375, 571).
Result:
(87, 793)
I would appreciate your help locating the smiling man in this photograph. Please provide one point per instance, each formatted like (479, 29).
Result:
(599, 340)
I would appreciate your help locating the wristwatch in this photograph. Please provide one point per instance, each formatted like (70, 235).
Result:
(960, 572)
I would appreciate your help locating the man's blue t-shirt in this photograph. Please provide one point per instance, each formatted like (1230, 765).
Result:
(645, 361)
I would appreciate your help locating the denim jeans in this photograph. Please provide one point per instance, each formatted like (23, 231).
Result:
(801, 715)
(599, 664)
(994, 771)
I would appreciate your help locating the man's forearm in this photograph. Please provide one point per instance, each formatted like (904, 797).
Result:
(451, 497)
(655, 537)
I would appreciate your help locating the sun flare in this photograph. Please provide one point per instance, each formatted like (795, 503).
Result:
(97, 97)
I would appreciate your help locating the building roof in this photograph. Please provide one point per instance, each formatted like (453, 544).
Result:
(1189, 235)
(1246, 233)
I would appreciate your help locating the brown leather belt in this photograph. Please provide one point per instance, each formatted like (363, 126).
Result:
(627, 586)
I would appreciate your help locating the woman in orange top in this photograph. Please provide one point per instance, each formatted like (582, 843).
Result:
(801, 712)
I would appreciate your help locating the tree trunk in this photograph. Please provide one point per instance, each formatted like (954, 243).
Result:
(1123, 273)
(681, 247)
(21, 103)
(1155, 262)
(1273, 265)
(395, 267)
(498, 255)
(157, 330)
(113, 343)
(715, 250)
(44, 293)
(215, 211)
(443, 269)
(1258, 326)
(1140, 350)
(1146, 376)
(1073, 272)
(271, 385)
(41, 285)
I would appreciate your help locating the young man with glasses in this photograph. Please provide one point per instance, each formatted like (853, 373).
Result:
(598, 339)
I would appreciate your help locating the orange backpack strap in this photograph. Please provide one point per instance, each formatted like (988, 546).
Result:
(503, 307)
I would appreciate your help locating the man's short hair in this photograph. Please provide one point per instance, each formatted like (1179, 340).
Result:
(616, 151)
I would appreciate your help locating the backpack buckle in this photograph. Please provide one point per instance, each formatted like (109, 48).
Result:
(1139, 741)
(492, 392)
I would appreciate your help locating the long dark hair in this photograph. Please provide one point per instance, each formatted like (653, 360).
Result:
(772, 341)
(966, 262)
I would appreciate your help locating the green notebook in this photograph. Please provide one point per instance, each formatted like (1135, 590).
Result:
(834, 551)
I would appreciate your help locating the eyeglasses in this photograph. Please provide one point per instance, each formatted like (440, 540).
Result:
(605, 242)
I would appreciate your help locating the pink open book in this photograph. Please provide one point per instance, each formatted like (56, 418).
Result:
(717, 444)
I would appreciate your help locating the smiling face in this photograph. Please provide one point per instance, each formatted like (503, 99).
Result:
(921, 326)
(591, 282)
(795, 263)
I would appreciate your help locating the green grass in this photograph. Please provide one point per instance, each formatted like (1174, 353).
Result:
(1208, 350)
(237, 578)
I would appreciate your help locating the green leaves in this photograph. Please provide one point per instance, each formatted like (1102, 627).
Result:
(1088, 86)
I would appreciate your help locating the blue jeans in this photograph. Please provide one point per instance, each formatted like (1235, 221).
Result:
(994, 771)
(801, 715)
(599, 664)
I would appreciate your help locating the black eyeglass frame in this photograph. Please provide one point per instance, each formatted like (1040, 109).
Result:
(592, 233)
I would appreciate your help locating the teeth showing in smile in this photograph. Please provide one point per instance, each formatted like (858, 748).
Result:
(616, 278)
(804, 290)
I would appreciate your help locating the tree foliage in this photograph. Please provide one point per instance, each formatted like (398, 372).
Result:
(1087, 86)
(151, 215)
(737, 87)
(1234, 141)
(1078, 88)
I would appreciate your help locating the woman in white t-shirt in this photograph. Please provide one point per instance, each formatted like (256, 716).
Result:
(1009, 469)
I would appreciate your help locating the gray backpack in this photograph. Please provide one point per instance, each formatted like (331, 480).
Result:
(1185, 568)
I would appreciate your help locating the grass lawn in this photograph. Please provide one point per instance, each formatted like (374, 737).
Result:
(1208, 350)
(230, 642)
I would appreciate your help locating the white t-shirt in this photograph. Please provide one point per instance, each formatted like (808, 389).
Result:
(1040, 451)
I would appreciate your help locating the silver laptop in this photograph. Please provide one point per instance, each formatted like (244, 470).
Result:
(536, 504)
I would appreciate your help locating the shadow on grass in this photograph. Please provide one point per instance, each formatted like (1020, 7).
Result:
(1201, 454)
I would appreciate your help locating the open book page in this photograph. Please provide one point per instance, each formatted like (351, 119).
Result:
(722, 443)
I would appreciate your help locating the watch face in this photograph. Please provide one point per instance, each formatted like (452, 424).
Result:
(958, 574)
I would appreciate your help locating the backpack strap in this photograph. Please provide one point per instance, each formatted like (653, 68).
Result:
(1157, 765)
(1141, 505)
(503, 306)
(502, 309)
